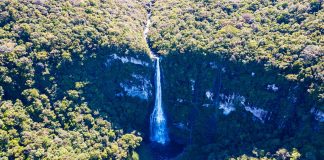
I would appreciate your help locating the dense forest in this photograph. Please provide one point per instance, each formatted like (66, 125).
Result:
(285, 35)
(241, 79)
(253, 54)
(43, 113)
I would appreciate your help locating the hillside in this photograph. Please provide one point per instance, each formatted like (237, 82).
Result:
(262, 57)
(287, 35)
(229, 79)
(43, 114)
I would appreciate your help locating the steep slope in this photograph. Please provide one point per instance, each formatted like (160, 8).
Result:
(44, 46)
(76, 77)
(285, 35)
(228, 61)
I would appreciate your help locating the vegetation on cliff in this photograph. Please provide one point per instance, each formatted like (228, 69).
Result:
(280, 154)
(240, 49)
(287, 35)
(71, 72)
(43, 113)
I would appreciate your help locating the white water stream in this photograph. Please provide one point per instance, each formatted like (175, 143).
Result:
(158, 123)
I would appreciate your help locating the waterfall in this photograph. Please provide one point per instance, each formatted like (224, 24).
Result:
(158, 123)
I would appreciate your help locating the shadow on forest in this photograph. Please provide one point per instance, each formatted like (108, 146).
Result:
(193, 118)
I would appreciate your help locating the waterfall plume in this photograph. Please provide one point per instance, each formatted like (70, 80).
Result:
(158, 123)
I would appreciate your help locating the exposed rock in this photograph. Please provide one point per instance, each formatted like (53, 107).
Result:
(223, 70)
(120, 94)
(213, 65)
(134, 91)
(125, 59)
(179, 100)
(257, 112)
(227, 103)
(206, 105)
(181, 125)
(227, 107)
(272, 87)
(192, 84)
(141, 90)
(318, 115)
(209, 95)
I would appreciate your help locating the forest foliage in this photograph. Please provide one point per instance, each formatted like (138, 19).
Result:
(51, 51)
(284, 35)
(45, 116)
(262, 155)
(285, 38)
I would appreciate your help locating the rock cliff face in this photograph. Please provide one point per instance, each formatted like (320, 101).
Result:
(123, 84)
(235, 75)
(212, 101)
(207, 100)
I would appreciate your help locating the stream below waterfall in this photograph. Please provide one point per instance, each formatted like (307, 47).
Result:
(154, 151)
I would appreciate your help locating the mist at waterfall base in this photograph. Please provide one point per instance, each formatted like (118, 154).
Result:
(154, 151)
(158, 124)
(159, 146)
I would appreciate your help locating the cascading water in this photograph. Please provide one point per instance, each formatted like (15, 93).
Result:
(158, 123)
(161, 148)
